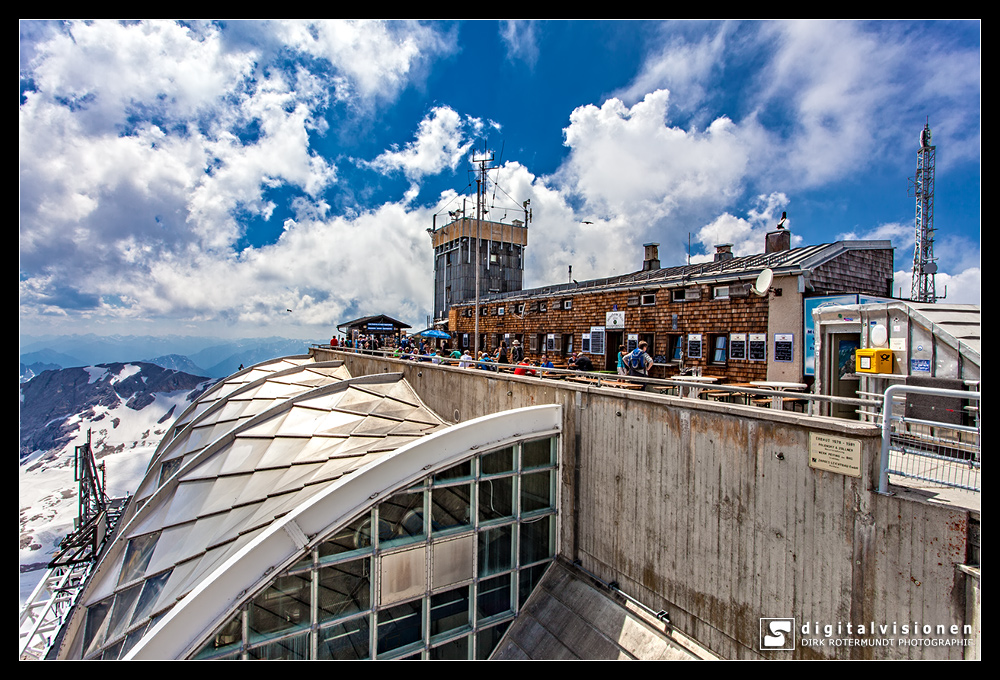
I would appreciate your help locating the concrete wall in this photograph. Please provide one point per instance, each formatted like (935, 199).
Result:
(711, 512)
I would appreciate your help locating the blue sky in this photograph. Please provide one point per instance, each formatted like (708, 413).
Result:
(208, 177)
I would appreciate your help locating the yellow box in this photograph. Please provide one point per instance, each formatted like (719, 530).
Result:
(873, 360)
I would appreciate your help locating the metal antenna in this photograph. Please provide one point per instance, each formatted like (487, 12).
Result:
(922, 288)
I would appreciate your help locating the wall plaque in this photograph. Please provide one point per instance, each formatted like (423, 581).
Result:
(835, 454)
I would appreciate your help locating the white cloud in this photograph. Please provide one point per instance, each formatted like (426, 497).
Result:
(746, 234)
(844, 87)
(374, 58)
(682, 67)
(628, 161)
(440, 143)
(521, 41)
(964, 288)
(144, 148)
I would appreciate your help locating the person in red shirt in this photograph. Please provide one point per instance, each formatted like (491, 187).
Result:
(521, 370)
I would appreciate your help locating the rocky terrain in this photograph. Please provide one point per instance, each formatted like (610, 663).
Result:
(126, 407)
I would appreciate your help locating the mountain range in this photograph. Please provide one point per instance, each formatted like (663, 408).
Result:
(126, 408)
(210, 357)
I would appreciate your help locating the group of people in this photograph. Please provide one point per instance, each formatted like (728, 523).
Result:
(630, 363)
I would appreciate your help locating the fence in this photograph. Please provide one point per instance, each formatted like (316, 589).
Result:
(942, 453)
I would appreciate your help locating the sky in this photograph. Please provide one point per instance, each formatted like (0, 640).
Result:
(259, 178)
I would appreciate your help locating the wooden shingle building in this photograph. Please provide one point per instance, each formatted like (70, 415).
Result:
(706, 315)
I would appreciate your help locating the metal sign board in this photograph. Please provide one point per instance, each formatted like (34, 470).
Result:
(835, 454)
(694, 345)
(783, 344)
(614, 320)
(737, 345)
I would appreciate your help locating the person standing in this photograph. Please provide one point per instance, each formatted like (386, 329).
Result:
(516, 353)
(621, 360)
(638, 362)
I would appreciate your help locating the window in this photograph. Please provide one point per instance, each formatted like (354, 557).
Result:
(543, 306)
(648, 299)
(677, 295)
(567, 304)
(597, 340)
(435, 557)
(720, 292)
(675, 347)
(719, 349)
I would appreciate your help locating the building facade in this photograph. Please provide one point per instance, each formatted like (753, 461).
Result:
(501, 260)
(703, 316)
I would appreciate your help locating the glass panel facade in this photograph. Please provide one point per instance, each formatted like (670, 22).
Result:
(454, 559)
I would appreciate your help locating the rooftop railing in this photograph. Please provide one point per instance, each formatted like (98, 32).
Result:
(948, 454)
(925, 450)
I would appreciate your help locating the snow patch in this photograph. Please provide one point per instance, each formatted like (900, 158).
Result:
(128, 370)
(96, 373)
(46, 509)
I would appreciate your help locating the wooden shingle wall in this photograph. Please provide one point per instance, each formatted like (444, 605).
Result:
(706, 316)
(856, 271)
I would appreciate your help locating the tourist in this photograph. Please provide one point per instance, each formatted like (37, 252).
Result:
(638, 361)
(516, 352)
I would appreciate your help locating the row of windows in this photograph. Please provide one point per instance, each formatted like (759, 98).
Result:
(644, 300)
(451, 562)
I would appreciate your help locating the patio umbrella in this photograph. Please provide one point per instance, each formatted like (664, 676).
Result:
(433, 333)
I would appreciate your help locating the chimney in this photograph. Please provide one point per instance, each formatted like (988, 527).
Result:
(777, 241)
(651, 258)
(723, 251)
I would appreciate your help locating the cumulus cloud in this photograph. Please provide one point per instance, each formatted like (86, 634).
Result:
(630, 161)
(746, 234)
(440, 143)
(146, 146)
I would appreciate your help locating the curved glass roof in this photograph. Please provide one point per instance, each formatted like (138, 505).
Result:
(243, 482)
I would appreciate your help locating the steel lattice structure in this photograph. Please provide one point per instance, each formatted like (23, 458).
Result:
(922, 187)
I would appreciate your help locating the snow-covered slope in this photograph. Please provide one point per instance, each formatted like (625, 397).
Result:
(126, 421)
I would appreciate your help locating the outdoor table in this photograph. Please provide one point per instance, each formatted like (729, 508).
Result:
(776, 400)
(698, 383)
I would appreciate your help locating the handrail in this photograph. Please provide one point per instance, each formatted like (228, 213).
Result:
(887, 418)
(600, 377)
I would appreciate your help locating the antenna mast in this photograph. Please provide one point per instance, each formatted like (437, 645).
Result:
(922, 187)
(480, 190)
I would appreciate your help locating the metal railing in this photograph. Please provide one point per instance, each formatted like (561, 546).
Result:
(44, 613)
(666, 386)
(947, 454)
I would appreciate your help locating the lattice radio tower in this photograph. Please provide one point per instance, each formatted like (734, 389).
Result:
(922, 187)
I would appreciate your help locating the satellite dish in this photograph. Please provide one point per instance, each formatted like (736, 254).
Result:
(763, 283)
